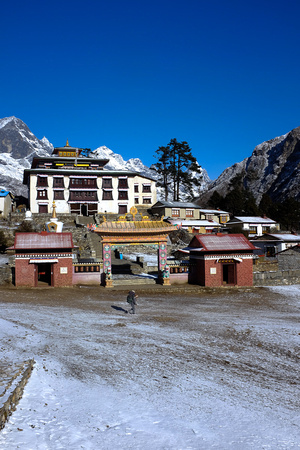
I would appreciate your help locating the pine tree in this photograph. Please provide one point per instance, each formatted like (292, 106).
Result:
(175, 166)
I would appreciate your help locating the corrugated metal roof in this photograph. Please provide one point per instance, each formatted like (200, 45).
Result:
(287, 237)
(24, 241)
(224, 242)
(213, 211)
(164, 203)
(252, 219)
(195, 222)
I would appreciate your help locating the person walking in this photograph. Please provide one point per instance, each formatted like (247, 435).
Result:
(131, 299)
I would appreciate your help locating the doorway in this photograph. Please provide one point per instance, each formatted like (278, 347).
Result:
(84, 210)
(229, 275)
(44, 274)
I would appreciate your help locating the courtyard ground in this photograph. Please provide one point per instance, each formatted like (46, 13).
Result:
(196, 369)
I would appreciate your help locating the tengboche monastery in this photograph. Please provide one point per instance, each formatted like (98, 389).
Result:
(81, 185)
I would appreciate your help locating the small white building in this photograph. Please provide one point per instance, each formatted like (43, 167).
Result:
(6, 202)
(196, 226)
(272, 244)
(256, 226)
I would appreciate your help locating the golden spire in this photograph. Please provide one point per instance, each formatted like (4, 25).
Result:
(53, 210)
(67, 144)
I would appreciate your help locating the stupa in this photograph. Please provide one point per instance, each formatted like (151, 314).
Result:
(54, 226)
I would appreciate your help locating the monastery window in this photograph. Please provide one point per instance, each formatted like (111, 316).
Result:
(146, 200)
(136, 188)
(136, 200)
(189, 213)
(175, 212)
(146, 187)
(266, 230)
(58, 195)
(42, 181)
(208, 216)
(223, 219)
(123, 195)
(83, 196)
(107, 182)
(107, 195)
(252, 230)
(42, 194)
(123, 183)
(58, 182)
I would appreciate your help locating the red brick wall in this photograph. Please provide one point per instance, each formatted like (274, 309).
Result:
(24, 273)
(63, 279)
(202, 275)
(245, 273)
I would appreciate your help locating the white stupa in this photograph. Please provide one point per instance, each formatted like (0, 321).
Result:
(55, 226)
(28, 215)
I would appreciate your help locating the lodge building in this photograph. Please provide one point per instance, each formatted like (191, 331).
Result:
(81, 185)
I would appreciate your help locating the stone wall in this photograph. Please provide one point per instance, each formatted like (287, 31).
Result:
(276, 278)
(5, 274)
(12, 386)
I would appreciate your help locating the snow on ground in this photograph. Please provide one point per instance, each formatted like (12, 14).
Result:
(150, 259)
(3, 259)
(215, 372)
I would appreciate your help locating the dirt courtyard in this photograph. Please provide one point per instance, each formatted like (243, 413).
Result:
(224, 360)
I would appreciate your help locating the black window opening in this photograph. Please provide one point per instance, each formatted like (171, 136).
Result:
(58, 182)
(123, 183)
(107, 195)
(107, 182)
(123, 195)
(146, 188)
(58, 195)
(42, 181)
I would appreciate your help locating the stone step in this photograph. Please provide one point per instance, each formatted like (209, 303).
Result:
(133, 283)
(133, 280)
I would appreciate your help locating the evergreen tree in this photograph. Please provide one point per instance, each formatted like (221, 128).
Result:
(175, 166)
(216, 200)
(266, 206)
(162, 168)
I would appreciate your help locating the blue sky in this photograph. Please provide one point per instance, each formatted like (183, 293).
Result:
(131, 75)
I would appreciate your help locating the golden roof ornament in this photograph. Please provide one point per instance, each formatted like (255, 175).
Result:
(53, 210)
(67, 143)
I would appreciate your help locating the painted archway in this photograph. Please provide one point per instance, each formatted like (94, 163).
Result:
(135, 232)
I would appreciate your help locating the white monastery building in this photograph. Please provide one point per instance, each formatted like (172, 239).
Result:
(81, 185)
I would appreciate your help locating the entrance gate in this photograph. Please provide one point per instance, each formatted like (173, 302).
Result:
(135, 232)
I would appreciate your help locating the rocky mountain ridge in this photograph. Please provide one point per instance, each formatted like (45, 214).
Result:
(273, 169)
(18, 147)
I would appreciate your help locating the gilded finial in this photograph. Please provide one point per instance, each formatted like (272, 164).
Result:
(67, 144)
(53, 210)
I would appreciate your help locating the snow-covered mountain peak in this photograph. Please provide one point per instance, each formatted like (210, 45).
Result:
(6, 120)
(116, 161)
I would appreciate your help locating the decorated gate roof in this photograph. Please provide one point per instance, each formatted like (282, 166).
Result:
(134, 231)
